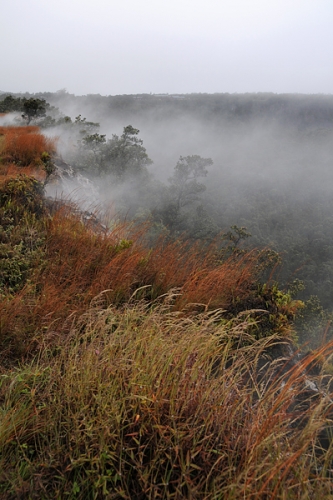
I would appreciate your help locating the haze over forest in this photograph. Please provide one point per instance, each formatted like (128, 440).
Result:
(271, 170)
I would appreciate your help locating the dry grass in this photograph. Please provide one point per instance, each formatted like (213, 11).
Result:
(30, 129)
(142, 403)
(24, 146)
(13, 170)
(132, 392)
(79, 264)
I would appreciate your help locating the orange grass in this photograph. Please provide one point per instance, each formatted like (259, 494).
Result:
(19, 130)
(13, 170)
(79, 264)
(82, 264)
(24, 146)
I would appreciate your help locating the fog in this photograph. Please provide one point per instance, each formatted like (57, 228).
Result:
(266, 147)
(282, 153)
(272, 171)
(208, 167)
(9, 119)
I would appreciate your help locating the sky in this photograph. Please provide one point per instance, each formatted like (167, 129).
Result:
(111, 47)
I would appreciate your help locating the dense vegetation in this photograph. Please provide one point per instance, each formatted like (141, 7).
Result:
(152, 356)
(271, 173)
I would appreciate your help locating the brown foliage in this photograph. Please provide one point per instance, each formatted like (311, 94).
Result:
(19, 130)
(13, 170)
(24, 146)
(79, 264)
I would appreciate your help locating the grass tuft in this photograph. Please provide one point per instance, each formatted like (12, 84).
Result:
(130, 408)
(23, 147)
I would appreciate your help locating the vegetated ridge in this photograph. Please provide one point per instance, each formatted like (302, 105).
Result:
(141, 363)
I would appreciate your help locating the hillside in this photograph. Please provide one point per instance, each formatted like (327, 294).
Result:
(140, 363)
(271, 172)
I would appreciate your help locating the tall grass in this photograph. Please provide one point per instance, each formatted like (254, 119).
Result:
(24, 146)
(143, 403)
(146, 372)
(29, 129)
(78, 264)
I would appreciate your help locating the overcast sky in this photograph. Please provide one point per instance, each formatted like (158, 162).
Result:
(113, 47)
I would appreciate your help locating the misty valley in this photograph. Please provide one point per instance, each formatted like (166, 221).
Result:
(166, 296)
(201, 164)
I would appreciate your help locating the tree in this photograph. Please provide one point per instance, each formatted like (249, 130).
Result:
(203, 226)
(85, 127)
(95, 143)
(185, 187)
(10, 103)
(125, 156)
(33, 108)
(184, 190)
